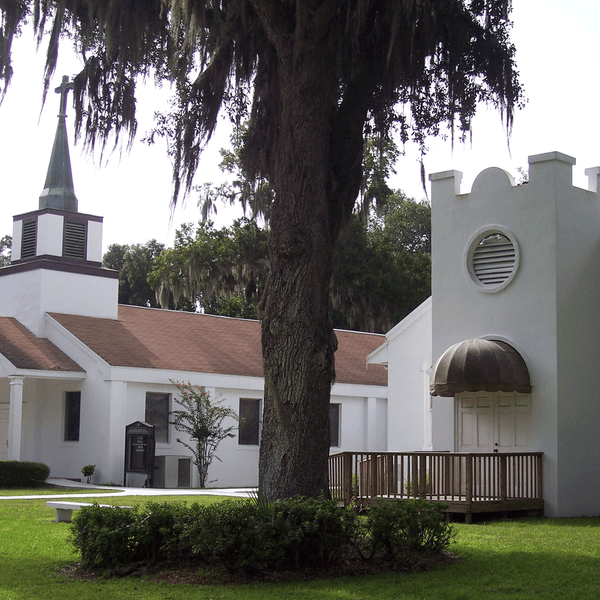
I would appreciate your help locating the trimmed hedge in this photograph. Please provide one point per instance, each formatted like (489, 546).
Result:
(250, 536)
(17, 474)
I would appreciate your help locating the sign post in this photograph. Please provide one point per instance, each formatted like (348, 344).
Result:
(139, 451)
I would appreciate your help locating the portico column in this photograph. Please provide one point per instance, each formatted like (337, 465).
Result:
(15, 417)
(372, 441)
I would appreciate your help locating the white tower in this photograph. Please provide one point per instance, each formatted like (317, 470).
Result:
(56, 263)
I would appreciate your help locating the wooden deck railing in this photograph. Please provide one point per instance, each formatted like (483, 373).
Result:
(457, 478)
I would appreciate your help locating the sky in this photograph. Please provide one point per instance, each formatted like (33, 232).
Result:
(558, 58)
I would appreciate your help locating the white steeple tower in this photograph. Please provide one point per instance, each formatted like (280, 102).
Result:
(56, 263)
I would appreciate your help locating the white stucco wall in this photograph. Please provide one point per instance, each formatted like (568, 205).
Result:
(94, 241)
(548, 311)
(28, 295)
(50, 235)
(408, 352)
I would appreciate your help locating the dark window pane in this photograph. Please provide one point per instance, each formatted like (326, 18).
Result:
(157, 414)
(249, 421)
(72, 416)
(334, 425)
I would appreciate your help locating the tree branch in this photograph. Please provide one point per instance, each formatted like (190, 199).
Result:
(275, 23)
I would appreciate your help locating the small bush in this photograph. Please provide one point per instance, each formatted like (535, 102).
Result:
(107, 537)
(397, 526)
(228, 534)
(311, 531)
(17, 474)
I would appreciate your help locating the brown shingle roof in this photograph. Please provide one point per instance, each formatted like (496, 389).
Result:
(173, 340)
(26, 351)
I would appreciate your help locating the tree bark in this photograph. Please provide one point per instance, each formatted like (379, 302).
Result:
(297, 337)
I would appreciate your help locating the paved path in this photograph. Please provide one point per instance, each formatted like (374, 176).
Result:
(130, 491)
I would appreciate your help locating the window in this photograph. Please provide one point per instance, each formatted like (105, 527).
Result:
(249, 427)
(334, 424)
(72, 416)
(157, 414)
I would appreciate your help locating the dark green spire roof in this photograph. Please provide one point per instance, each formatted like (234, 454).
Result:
(58, 190)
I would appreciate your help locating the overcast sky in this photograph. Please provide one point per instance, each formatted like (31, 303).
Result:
(558, 57)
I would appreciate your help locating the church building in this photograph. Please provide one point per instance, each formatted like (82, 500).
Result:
(76, 368)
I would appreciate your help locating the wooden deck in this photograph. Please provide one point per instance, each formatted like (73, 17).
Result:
(468, 483)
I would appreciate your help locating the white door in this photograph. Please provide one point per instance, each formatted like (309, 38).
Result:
(3, 431)
(493, 422)
(475, 422)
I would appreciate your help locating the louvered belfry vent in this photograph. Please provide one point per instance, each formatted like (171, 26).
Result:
(494, 259)
(29, 240)
(75, 241)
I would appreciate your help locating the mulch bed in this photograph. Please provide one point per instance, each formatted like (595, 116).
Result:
(200, 574)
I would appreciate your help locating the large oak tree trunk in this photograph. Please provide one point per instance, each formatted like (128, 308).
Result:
(297, 337)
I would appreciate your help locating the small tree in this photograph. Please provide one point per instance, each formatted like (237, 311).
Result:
(201, 418)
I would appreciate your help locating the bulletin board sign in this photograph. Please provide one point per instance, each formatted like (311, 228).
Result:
(139, 450)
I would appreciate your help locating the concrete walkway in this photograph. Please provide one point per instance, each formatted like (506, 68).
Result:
(129, 491)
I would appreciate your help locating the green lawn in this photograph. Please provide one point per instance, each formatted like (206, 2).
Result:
(522, 559)
(52, 490)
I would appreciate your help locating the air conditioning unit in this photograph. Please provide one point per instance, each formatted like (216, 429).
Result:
(172, 471)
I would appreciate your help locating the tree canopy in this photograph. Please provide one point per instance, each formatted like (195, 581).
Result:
(382, 268)
(5, 250)
(313, 76)
(134, 261)
(220, 271)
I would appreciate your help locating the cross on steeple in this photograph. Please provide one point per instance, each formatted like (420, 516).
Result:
(63, 90)
(58, 190)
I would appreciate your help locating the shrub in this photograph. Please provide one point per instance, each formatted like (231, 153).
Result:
(17, 474)
(228, 533)
(106, 537)
(311, 531)
(252, 536)
(396, 526)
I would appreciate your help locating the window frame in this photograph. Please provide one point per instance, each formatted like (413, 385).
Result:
(338, 425)
(255, 433)
(71, 410)
(159, 428)
(470, 251)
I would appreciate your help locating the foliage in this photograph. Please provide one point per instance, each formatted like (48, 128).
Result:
(219, 271)
(134, 263)
(254, 194)
(394, 527)
(201, 417)
(88, 471)
(249, 536)
(383, 271)
(106, 537)
(14, 473)
(5, 250)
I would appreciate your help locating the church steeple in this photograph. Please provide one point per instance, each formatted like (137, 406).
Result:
(58, 190)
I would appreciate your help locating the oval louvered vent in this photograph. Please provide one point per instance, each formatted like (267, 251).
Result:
(494, 259)
(75, 240)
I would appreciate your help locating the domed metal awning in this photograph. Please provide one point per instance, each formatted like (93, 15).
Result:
(475, 365)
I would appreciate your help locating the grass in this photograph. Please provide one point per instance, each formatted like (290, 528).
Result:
(52, 490)
(521, 559)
